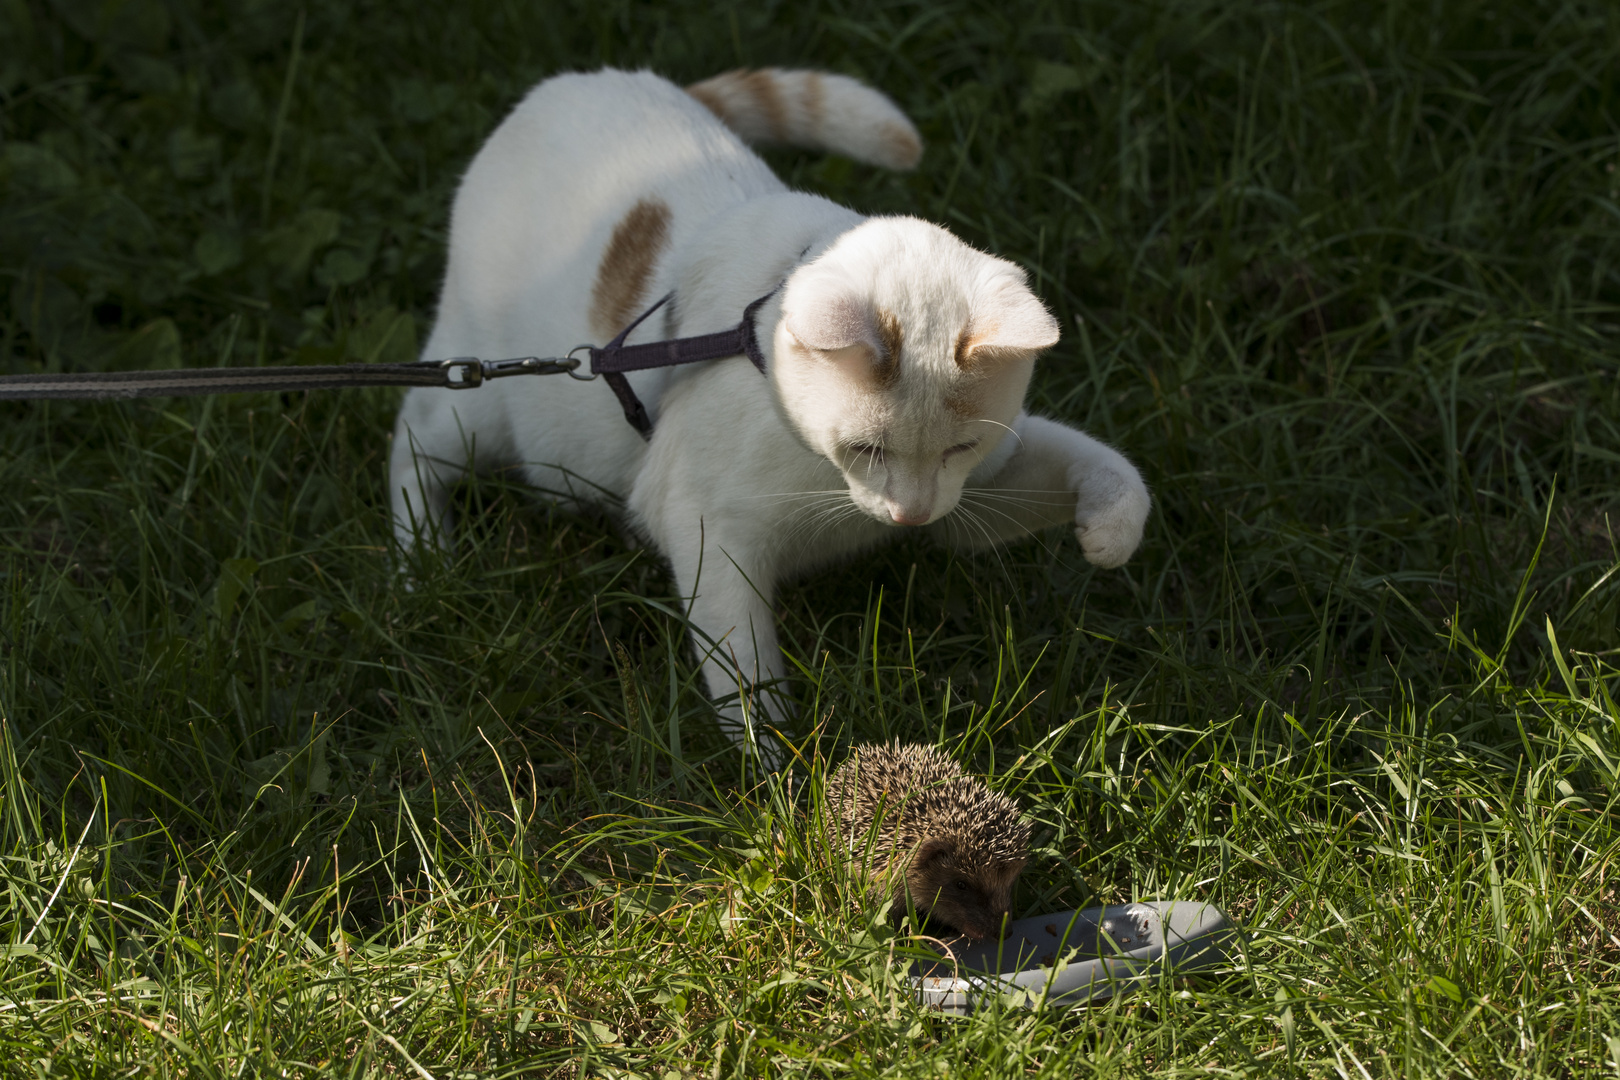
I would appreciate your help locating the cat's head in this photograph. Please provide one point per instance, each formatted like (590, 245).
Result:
(902, 356)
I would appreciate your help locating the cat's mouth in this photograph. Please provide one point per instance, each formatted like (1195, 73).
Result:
(901, 500)
(898, 513)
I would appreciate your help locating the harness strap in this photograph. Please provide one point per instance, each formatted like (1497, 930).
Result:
(615, 358)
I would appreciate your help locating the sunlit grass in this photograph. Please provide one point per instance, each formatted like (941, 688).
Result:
(1340, 278)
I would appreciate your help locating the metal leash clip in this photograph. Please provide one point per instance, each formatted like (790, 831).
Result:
(469, 372)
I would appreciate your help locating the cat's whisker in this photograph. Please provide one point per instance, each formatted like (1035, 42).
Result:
(804, 512)
(1012, 520)
(999, 424)
(996, 496)
(812, 520)
(818, 518)
(1001, 514)
(984, 530)
(802, 529)
(809, 510)
(829, 520)
(1021, 527)
(1031, 500)
(1001, 562)
(797, 494)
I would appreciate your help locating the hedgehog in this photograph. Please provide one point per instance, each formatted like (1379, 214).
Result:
(916, 828)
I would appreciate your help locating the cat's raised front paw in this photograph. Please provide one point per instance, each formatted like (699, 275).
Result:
(1109, 516)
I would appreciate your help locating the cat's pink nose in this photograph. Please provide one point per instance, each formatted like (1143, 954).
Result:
(902, 516)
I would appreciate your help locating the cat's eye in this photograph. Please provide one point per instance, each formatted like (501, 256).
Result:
(862, 448)
(962, 448)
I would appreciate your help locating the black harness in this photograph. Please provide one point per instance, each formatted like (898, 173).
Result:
(615, 358)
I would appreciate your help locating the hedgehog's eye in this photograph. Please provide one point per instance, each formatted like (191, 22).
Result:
(962, 885)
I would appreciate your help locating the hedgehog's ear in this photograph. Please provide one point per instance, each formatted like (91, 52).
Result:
(931, 849)
(1008, 870)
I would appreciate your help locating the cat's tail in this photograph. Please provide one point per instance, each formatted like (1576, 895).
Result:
(812, 109)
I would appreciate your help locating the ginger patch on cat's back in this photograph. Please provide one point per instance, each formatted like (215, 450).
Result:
(627, 265)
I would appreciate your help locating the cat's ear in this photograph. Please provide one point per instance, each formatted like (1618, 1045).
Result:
(831, 320)
(1008, 322)
(842, 329)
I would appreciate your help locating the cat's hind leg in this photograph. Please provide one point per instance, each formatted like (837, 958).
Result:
(432, 452)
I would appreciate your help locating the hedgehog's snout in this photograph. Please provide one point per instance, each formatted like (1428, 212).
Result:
(978, 922)
(975, 902)
(990, 922)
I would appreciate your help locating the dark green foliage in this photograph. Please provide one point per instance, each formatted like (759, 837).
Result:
(1341, 277)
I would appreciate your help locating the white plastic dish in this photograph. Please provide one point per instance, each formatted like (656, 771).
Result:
(1071, 957)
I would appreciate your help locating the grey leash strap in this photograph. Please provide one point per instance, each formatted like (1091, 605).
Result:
(457, 373)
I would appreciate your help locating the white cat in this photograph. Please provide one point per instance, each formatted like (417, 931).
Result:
(897, 357)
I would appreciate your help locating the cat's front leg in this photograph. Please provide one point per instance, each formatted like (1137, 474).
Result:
(1054, 475)
(727, 591)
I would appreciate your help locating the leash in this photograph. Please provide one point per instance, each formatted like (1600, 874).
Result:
(610, 362)
(458, 373)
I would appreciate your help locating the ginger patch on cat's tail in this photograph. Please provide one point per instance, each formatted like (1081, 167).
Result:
(815, 110)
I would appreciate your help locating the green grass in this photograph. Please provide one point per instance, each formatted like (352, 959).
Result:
(1343, 277)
